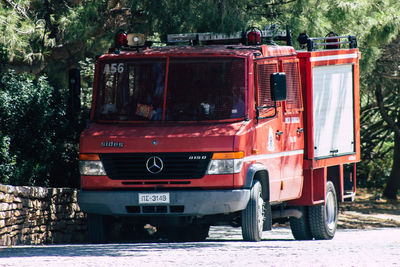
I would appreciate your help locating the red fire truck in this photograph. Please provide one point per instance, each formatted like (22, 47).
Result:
(217, 129)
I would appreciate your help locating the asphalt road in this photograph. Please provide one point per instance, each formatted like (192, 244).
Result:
(224, 247)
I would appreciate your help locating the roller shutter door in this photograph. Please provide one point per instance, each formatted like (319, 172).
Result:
(333, 110)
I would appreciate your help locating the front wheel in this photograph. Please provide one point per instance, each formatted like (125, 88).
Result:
(253, 215)
(323, 218)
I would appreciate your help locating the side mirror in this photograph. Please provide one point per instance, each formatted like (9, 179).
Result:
(278, 86)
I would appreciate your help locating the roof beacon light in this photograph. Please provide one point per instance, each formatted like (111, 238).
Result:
(330, 39)
(254, 36)
(121, 40)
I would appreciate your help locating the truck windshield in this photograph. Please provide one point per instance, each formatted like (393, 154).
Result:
(197, 89)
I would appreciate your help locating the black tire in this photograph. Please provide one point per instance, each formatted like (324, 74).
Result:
(323, 218)
(253, 215)
(301, 227)
(97, 226)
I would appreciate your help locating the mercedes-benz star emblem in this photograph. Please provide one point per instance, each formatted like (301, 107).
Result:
(154, 165)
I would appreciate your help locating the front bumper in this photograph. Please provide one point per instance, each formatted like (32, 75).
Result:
(193, 203)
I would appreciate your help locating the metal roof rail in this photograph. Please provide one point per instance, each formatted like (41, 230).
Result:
(330, 42)
(270, 33)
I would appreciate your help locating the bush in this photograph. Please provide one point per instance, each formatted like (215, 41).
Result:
(7, 161)
(37, 144)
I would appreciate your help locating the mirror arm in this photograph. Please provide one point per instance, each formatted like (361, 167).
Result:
(267, 117)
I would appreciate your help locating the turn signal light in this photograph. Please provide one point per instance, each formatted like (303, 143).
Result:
(228, 155)
(89, 157)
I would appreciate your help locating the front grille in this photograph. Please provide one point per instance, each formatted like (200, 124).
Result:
(155, 209)
(132, 166)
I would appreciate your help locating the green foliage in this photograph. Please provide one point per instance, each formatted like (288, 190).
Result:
(375, 23)
(34, 133)
(86, 67)
(376, 145)
(7, 161)
(180, 16)
(21, 36)
(382, 134)
(374, 168)
(49, 37)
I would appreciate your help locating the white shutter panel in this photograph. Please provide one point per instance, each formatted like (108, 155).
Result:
(333, 110)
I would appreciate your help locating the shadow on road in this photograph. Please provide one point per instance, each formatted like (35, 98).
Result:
(220, 238)
(106, 250)
(96, 250)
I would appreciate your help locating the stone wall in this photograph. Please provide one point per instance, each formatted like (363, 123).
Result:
(38, 215)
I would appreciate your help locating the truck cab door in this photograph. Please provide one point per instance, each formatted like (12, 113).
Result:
(268, 130)
(293, 133)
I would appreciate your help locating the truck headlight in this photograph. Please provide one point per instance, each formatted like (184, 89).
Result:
(90, 164)
(226, 163)
(91, 167)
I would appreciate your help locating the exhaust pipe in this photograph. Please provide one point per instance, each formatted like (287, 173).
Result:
(287, 213)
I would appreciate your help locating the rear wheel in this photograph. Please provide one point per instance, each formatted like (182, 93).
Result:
(253, 215)
(323, 218)
(301, 227)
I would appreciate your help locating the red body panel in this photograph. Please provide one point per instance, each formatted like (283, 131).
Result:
(316, 169)
(307, 63)
(283, 143)
(170, 138)
(222, 181)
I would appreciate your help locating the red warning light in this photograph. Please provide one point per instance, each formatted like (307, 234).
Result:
(121, 39)
(254, 37)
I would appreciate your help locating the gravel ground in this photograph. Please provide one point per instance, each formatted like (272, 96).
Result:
(369, 211)
(224, 247)
(368, 235)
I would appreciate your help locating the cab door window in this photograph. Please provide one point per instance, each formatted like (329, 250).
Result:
(294, 101)
(264, 69)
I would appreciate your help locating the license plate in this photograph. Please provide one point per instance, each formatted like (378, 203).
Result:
(153, 198)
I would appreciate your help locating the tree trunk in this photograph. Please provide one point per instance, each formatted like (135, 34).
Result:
(393, 183)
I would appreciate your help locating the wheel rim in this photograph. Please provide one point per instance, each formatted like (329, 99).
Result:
(330, 211)
(260, 213)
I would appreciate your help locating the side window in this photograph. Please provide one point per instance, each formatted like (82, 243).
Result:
(294, 100)
(264, 70)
